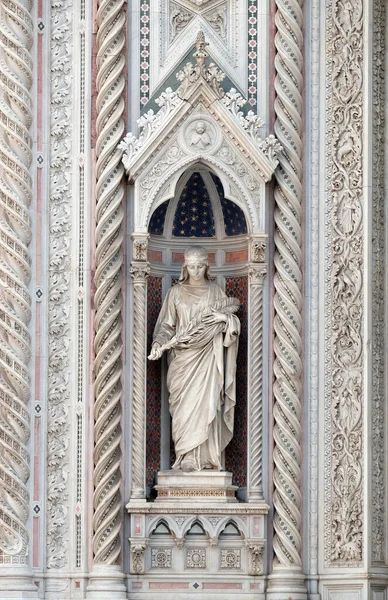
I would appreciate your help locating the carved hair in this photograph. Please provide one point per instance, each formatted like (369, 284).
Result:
(195, 254)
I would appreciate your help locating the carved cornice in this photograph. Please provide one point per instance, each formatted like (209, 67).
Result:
(16, 37)
(59, 368)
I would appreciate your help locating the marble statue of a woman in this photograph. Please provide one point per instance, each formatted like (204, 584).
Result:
(198, 327)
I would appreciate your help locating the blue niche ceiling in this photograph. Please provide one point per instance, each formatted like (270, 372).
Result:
(234, 219)
(156, 225)
(194, 214)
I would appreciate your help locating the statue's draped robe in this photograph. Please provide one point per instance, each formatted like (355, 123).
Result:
(201, 375)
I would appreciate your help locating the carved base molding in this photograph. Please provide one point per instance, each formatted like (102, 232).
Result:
(106, 582)
(17, 585)
(180, 549)
(204, 486)
(286, 583)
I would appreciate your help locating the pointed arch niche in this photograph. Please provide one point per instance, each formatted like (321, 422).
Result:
(198, 213)
(198, 139)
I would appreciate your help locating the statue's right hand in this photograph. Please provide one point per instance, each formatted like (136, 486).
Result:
(156, 352)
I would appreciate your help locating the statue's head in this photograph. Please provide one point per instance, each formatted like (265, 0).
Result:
(194, 254)
(200, 127)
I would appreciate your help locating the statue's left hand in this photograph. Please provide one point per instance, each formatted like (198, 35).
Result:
(214, 317)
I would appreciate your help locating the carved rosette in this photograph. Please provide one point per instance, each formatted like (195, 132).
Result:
(15, 234)
(139, 274)
(288, 282)
(59, 376)
(344, 285)
(108, 280)
(256, 278)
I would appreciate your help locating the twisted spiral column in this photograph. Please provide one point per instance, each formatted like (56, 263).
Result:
(288, 301)
(15, 272)
(139, 273)
(255, 488)
(107, 521)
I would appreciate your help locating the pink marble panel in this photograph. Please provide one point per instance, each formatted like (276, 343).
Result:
(219, 585)
(169, 585)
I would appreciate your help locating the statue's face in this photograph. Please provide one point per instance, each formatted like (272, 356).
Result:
(196, 271)
(200, 128)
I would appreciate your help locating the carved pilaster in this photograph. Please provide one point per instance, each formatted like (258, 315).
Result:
(139, 274)
(287, 577)
(59, 363)
(256, 274)
(344, 284)
(16, 37)
(107, 525)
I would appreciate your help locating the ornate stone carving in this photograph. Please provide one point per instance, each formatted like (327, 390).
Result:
(138, 549)
(179, 520)
(258, 251)
(16, 73)
(231, 559)
(140, 246)
(217, 19)
(195, 558)
(227, 155)
(161, 558)
(378, 302)
(148, 124)
(191, 73)
(180, 17)
(110, 83)
(139, 274)
(201, 136)
(288, 301)
(255, 558)
(196, 124)
(344, 284)
(59, 369)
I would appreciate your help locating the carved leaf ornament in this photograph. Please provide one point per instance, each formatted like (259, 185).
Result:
(200, 84)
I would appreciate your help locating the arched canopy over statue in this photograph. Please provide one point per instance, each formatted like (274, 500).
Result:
(198, 328)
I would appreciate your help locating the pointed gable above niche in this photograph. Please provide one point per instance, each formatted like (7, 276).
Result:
(200, 123)
(175, 26)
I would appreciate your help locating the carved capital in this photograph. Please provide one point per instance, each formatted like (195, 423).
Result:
(139, 272)
(256, 274)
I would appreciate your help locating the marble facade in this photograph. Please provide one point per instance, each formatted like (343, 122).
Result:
(282, 113)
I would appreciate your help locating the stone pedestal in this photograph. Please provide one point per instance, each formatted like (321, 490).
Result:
(196, 539)
(200, 486)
